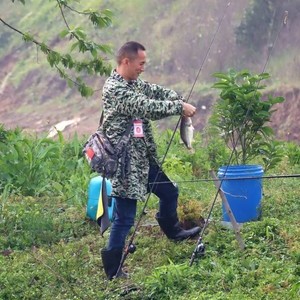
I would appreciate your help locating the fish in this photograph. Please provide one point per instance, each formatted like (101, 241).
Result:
(187, 131)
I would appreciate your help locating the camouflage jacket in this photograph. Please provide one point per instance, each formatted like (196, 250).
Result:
(123, 102)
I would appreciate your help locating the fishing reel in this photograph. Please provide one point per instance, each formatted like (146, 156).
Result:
(200, 249)
(131, 248)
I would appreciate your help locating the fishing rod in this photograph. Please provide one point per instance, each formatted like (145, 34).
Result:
(200, 247)
(130, 248)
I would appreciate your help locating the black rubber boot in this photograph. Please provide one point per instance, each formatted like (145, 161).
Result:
(171, 228)
(111, 260)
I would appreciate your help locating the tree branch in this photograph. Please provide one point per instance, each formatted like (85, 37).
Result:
(61, 62)
(22, 33)
(6, 24)
(76, 11)
(48, 51)
(63, 15)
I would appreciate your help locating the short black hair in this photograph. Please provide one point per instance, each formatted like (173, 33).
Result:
(130, 50)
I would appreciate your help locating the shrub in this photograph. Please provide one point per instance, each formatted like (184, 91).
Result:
(241, 116)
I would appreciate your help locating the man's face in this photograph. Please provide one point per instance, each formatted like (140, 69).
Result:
(136, 65)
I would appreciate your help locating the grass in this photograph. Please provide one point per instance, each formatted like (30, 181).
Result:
(50, 250)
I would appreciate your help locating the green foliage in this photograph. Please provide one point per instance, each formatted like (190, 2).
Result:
(265, 270)
(56, 248)
(217, 152)
(20, 155)
(241, 116)
(28, 222)
(34, 166)
(293, 153)
(168, 281)
(272, 152)
(93, 64)
(175, 166)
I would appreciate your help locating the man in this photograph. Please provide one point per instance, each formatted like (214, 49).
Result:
(130, 99)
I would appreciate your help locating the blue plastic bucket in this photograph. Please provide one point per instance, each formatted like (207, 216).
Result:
(243, 195)
(94, 189)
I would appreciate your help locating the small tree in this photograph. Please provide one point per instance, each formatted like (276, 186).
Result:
(241, 116)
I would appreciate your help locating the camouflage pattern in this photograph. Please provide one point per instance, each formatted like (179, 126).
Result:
(123, 102)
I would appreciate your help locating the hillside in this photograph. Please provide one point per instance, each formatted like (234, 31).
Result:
(177, 36)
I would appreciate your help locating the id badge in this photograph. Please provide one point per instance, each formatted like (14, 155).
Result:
(138, 131)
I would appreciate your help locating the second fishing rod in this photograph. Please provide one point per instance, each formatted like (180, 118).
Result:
(200, 248)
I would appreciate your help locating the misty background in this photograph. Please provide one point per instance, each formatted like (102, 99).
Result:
(256, 35)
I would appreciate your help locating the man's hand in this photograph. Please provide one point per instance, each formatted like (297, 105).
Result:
(188, 110)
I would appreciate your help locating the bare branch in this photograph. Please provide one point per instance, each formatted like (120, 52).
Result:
(18, 31)
(76, 11)
(63, 15)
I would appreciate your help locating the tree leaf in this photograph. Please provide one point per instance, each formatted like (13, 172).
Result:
(267, 131)
(220, 85)
(64, 33)
(221, 75)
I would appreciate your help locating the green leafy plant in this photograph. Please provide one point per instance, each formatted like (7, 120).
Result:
(26, 162)
(217, 152)
(34, 166)
(90, 58)
(174, 165)
(293, 153)
(241, 116)
(168, 280)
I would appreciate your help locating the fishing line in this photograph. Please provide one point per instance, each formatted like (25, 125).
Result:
(131, 247)
(197, 76)
(199, 249)
(231, 178)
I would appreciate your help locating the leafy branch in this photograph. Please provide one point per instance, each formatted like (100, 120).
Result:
(96, 65)
(100, 19)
